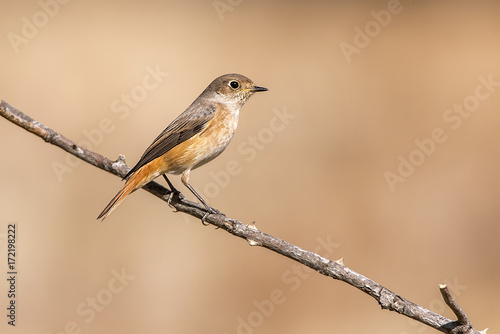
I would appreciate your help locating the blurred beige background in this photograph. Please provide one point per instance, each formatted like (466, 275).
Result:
(357, 85)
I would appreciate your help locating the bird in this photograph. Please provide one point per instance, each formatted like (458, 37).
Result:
(197, 136)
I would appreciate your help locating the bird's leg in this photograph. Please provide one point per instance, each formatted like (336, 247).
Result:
(210, 210)
(173, 191)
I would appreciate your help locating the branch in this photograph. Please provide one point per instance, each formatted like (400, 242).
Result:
(335, 269)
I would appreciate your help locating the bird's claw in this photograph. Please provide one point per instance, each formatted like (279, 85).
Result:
(170, 196)
(209, 211)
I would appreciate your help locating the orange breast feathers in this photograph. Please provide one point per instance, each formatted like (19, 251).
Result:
(197, 136)
(206, 145)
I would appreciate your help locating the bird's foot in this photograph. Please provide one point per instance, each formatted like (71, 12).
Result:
(171, 195)
(210, 211)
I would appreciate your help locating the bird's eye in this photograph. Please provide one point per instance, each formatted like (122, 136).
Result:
(234, 84)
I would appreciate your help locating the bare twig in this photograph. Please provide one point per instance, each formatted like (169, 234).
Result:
(463, 324)
(334, 269)
(448, 299)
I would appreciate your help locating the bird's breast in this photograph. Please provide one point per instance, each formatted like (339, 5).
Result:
(214, 139)
(206, 145)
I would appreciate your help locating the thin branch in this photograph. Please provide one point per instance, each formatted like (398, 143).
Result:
(335, 269)
(448, 299)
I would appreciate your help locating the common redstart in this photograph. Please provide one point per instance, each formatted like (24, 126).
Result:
(195, 137)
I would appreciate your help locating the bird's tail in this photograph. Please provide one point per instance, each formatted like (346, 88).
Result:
(138, 179)
(127, 189)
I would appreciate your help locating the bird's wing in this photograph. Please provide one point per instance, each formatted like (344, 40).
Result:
(185, 126)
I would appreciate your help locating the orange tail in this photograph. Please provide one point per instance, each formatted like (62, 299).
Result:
(127, 189)
(138, 179)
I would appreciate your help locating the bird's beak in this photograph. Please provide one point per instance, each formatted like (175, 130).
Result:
(259, 89)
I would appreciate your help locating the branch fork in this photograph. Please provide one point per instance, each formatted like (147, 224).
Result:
(387, 299)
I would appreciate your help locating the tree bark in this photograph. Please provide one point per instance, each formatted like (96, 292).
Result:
(335, 269)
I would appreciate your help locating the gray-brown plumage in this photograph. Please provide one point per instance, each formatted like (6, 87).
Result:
(195, 137)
